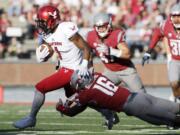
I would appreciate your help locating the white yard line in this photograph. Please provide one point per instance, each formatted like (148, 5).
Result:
(142, 132)
(80, 124)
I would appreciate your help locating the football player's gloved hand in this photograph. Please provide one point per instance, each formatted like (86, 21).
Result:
(83, 69)
(146, 57)
(103, 49)
(41, 54)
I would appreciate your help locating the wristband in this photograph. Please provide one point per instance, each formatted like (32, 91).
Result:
(84, 63)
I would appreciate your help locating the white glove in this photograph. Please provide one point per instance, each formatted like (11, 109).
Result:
(103, 49)
(41, 55)
(83, 69)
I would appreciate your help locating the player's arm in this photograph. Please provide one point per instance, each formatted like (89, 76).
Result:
(70, 108)
(122, 51)
(82, 44)
(156, 36)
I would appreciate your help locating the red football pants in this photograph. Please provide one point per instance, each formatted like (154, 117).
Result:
(55, 81)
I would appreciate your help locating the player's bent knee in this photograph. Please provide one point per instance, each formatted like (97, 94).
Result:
(39, 87)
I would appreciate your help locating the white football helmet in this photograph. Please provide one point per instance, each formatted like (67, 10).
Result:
(174, 13)
(100, 20)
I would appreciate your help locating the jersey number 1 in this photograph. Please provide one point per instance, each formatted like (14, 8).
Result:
(58, 52)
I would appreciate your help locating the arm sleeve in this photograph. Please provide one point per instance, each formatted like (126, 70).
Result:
(70, 29)
(121, 36)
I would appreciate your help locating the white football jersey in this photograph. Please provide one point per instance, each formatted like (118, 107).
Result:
(69, 54)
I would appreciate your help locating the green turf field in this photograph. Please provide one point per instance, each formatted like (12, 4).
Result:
(89, 122)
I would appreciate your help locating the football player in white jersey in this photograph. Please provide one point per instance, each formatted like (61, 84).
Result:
(73, 53)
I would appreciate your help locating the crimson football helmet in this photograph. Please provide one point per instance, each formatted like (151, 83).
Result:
(47, 19)
(175, 15)
(102, 24)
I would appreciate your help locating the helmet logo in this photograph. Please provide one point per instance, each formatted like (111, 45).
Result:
(54, 14)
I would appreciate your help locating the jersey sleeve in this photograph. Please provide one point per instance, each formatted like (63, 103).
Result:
(121, 37)
(70, 29)
(89, 39)
(157, 34)
(84, 97)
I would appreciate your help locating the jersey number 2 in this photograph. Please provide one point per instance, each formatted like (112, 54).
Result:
(105, 86)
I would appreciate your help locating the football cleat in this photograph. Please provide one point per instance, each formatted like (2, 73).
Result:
(109, 124)
(25, 123)
(116, 119)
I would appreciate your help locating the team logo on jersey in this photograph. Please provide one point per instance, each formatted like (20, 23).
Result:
(169, 34)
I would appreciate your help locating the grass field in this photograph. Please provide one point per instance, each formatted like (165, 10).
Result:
(89, 122)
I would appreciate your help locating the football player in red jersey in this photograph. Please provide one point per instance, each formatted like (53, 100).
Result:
(99, 91)
(110, 46)
(169, 30)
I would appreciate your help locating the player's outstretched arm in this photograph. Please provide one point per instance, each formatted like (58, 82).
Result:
(69, 108)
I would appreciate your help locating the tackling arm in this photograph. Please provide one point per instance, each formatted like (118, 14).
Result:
(70, 107)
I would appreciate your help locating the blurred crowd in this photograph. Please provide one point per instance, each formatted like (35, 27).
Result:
(137, 17)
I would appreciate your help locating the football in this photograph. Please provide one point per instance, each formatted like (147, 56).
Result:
(51, 51)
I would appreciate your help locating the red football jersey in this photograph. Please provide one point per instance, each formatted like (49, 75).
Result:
(167, 30)
(114, 38)
(103, 93)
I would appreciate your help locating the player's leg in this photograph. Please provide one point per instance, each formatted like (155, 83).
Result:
(53, 82)
(151, 109)
(116, 80)
(131, 78)
(174, 78)
(112, 76)
(109, 115)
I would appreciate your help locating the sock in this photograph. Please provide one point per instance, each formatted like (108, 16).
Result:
(38, 101)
